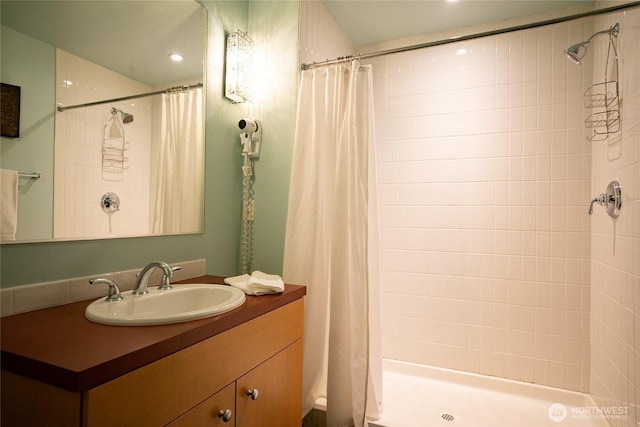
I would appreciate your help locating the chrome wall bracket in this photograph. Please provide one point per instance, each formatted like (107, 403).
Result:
(611, 199)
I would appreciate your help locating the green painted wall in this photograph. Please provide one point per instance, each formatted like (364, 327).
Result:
(24, 263)
(31, 64)
(273, 25)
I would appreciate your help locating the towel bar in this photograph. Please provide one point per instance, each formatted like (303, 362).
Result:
(32, 175)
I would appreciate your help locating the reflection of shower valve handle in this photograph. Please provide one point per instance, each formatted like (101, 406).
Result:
(110, 202)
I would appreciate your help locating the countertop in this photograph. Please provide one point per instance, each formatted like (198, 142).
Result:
(60, 347)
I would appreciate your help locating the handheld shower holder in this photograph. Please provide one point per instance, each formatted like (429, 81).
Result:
(250, 137)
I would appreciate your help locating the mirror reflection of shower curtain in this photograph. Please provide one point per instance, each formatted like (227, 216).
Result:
(178, 186)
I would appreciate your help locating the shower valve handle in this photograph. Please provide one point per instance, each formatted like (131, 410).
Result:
(611, 199)
(601, 200)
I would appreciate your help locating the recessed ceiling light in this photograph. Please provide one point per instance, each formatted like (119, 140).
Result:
(176, 57)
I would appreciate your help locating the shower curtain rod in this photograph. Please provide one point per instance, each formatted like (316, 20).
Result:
(471, 36)
(126, 98)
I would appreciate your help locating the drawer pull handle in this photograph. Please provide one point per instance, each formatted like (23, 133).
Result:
(225, 415)
(253, 393)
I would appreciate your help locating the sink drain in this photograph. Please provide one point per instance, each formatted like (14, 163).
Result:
(447, 417)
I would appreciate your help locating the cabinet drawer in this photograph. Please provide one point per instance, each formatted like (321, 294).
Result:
(158, 393)
(207, 414)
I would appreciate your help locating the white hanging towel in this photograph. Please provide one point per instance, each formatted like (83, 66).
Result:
(8, 204)
(258, 283)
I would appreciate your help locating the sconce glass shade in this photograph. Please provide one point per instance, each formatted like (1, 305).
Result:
(238, 80)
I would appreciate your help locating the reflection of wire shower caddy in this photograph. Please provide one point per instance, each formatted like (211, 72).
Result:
(603, 98)
(114, 146)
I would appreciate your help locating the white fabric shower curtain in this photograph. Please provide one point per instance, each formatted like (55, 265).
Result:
(178, 186)
(331, 241)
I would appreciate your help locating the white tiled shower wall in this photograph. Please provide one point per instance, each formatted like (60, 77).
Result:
(615, 245)
(79, 183)
(486, 176)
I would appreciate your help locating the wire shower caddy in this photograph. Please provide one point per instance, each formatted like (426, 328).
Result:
(604, 101)
(114, 147)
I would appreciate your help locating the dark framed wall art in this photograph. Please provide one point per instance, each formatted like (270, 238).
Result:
(9, 110)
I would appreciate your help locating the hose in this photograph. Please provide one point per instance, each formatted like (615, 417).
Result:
(248, 213)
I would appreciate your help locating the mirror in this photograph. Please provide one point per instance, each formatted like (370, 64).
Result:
(148, 150)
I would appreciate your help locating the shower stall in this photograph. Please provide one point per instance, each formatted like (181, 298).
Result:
(490, 263)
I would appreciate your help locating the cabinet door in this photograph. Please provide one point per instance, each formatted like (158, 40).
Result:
(27, 402)
(278, 383)
(211, 412)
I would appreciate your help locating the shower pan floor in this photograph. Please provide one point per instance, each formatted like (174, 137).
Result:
(423, 396)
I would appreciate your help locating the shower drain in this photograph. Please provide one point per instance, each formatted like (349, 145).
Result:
(447, 417)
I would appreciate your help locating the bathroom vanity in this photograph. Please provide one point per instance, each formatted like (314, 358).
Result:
(241, 368)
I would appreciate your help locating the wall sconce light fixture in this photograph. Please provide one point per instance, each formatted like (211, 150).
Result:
(238, 80)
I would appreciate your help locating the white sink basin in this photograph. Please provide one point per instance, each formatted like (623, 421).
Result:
(180, 304)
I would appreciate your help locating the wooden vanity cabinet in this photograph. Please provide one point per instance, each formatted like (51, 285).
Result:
(190, 387)
(267, 396)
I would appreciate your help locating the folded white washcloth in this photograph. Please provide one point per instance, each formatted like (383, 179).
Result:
(266, 283)
(258, 283)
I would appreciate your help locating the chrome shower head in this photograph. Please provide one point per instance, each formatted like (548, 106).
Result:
(125, 117)
(579, 50)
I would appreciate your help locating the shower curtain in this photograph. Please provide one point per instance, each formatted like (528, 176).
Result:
(178, 186)
(331, 241)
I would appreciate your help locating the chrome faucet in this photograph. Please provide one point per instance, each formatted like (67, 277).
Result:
(142, 278)
(114, 290)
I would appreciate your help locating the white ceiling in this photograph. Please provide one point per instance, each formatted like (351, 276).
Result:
(133, 38)
(372, 21)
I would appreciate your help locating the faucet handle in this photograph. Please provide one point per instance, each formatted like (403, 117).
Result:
(114, 290)
(611, 199)
(601, 200)
(165, 283)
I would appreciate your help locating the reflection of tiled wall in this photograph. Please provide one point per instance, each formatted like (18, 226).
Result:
(615, 245)
(79, 183)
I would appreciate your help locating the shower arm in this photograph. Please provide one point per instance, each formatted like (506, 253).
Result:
(579, 50)
(613, 31)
